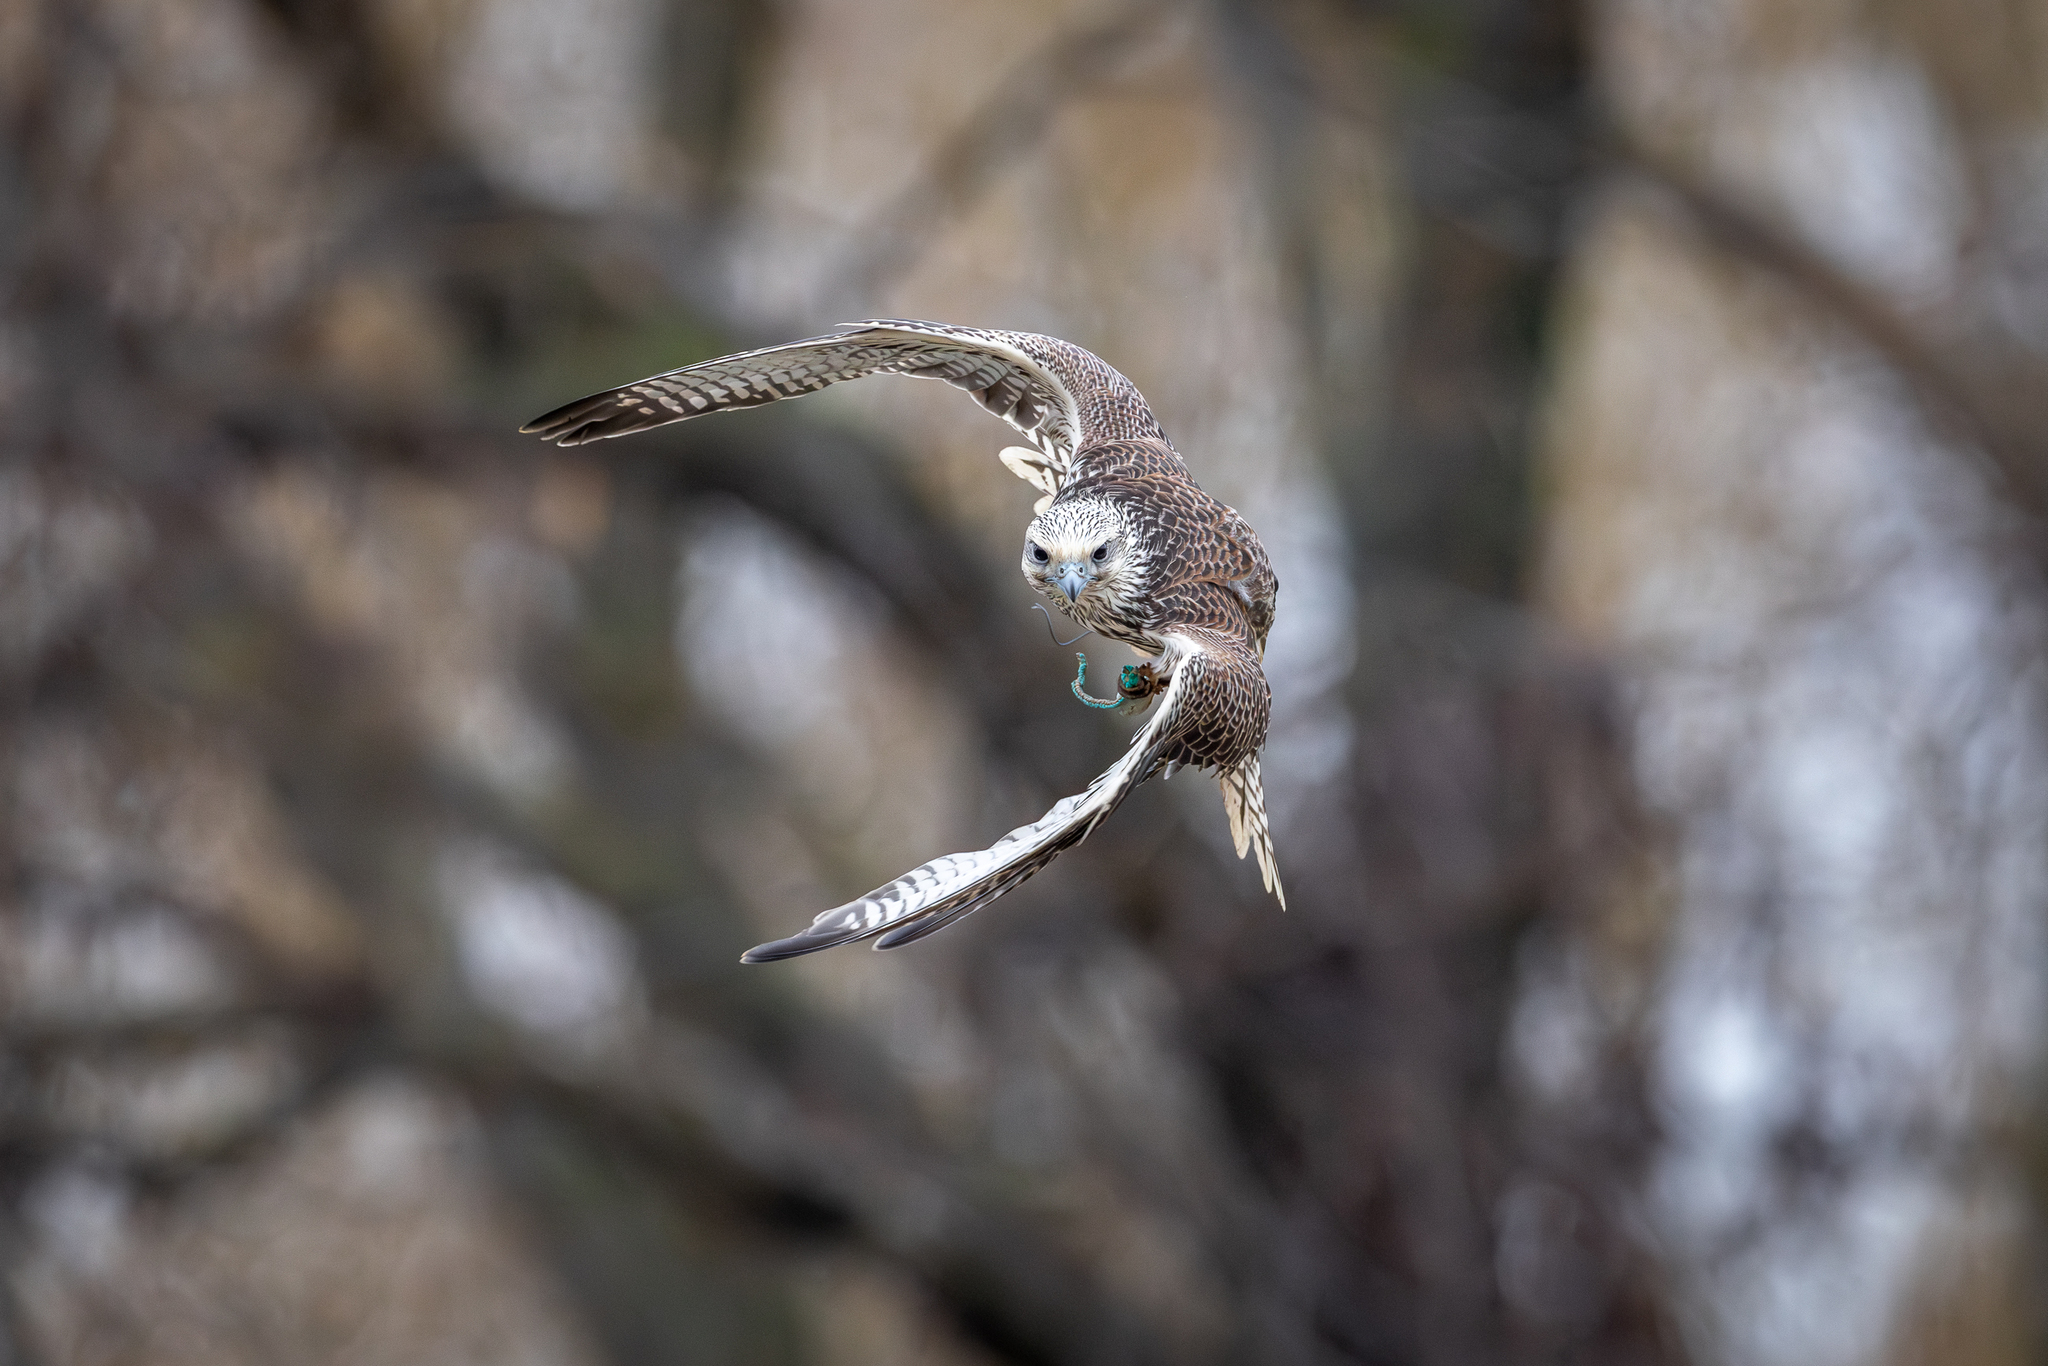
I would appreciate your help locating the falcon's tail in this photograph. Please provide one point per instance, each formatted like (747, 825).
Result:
(1244, 801)
(933, 896)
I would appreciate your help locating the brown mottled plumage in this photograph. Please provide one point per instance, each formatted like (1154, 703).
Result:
(1123, 541)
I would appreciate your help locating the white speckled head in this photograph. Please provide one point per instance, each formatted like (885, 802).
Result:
(1077, 548)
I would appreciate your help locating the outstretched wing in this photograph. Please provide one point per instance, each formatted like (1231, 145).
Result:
(931, 897)
(1057, 395)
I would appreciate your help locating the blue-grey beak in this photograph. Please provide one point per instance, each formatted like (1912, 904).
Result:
(1071, 578)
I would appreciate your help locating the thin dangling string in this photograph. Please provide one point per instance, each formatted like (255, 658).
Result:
(1040, 607)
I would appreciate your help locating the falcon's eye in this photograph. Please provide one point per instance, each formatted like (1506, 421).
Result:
(1102, 552)
(1038, 552)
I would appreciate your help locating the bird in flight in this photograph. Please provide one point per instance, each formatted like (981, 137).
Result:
(1123, 542)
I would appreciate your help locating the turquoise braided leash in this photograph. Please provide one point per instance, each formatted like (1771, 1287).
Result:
(1080, 677)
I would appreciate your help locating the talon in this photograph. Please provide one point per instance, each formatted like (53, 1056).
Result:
(1080, 677)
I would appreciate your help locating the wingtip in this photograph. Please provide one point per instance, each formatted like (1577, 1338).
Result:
(908, 932)
(557, 438)
(775, 951)
(811, 940)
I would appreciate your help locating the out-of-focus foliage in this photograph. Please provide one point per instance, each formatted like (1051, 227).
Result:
(385, 799)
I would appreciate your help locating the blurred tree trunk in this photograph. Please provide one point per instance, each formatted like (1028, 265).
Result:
(1795, 451)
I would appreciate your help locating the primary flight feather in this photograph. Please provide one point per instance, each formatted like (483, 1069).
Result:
(1123, 541)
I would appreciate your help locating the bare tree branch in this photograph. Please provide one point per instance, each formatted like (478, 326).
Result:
(2015, 455)
(1007, 125)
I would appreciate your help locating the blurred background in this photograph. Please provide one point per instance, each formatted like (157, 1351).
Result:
(1645, 403)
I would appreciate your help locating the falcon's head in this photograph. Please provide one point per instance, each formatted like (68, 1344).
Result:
(1082, 548)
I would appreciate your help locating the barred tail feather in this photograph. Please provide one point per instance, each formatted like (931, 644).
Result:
(1244, 801)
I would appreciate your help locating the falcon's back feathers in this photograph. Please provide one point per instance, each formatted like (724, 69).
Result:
(1196, 540)
(1191, 581)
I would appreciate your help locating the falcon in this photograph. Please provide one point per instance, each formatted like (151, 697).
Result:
(1122, 541)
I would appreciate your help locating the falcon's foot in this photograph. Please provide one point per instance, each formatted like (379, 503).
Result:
(1136, 686)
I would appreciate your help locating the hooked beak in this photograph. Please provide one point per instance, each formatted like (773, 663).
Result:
(1071, 578)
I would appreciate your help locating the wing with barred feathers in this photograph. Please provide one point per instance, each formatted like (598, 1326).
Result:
(1058, 396)
(931, 897)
